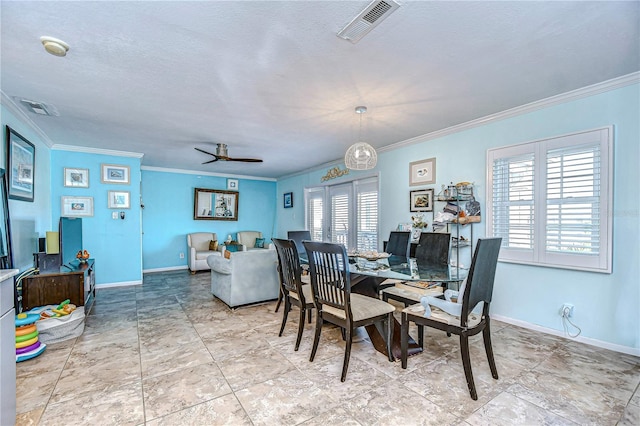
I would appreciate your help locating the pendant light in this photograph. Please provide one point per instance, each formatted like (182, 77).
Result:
(360, 155)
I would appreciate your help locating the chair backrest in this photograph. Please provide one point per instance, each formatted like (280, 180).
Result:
(200, 240)
(248, 238)
(433, 248)
(481, 275)
(329, 270)
(289, 270)
(399, 243)
(298, 237)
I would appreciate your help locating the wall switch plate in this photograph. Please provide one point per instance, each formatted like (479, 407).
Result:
(114, 215)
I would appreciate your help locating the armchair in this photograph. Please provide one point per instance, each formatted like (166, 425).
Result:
(248, 240)
(198, 250)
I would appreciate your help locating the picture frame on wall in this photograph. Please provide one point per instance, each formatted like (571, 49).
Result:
(119, 200)
(76, 178)
(421, 200)
(21, 159)
(232, 184)
(113, 173)
(76, 206)
(215, 204)
(422, 172)
(288, 200)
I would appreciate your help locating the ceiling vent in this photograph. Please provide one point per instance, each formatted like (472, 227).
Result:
(368, 19)
(39, 108)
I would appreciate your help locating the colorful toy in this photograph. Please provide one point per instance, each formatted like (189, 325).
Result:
(27, 344)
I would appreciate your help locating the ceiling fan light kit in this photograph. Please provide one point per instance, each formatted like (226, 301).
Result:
(360, 155)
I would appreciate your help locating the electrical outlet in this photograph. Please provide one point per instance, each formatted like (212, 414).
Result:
(566, 310)
(181, 255)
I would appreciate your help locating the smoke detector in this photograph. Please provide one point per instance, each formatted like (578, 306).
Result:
(368, 19)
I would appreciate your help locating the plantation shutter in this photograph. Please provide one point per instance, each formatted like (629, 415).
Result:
(315, 213)
(367, 206)
(340, 206)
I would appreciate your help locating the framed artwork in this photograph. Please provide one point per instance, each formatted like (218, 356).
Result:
(119, 200)
(288, 200)
(76, 178)
(421, 200)
(76, 206)
(422, 172)
(21, 161)
(215, 204)
(112, 173)
(232, 184)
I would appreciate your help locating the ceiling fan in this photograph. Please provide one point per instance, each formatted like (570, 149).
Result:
(222, 155)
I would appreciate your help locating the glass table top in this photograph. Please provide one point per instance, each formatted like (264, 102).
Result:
(407, 269)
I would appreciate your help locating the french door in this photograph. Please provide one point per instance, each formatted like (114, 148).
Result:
(345, 213)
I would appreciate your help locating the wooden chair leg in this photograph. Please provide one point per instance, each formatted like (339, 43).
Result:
(347, 353)
(287, 308)
(404, 339)
(280, 296)
(466, 363)
(316, 337)
(390, 321)
(486, 336)
(300, 327)
(421, 336)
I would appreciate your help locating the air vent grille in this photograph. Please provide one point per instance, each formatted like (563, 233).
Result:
(39, 107)
(368, 19)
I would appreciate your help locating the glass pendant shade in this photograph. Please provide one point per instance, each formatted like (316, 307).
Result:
(360, 156)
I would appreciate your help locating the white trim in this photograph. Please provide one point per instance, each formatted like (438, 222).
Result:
(586, 340)
(86, 149)
(22, 114)
(118, 284)
(594, 89)
(168, 268)
(196, 172)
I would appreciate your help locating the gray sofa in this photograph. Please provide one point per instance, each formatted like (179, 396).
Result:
(246, 277)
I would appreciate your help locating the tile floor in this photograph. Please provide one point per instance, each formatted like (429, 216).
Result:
(168, 353)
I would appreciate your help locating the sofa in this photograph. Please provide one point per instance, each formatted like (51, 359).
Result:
(198, 250)
(248, 240)
(246, 277)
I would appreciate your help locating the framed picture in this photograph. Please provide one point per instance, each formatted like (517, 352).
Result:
(421, 200)
(21, 161)
(288, 200)
(232, 184)
(76, 178)
(422, 172)
(215, 204)
(119, 200)
(76, 206)
(112, 173)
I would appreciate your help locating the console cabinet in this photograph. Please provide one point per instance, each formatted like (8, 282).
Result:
(75, 281)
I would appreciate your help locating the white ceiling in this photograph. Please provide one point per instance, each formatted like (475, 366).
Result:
(273, 81)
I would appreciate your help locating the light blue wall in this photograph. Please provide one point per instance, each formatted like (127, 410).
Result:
(607, 306)
(168, 214)
(29, 221)
(114, 243)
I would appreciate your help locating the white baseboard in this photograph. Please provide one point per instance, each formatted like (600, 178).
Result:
(118, 284)
(586, 340)
(170, 268)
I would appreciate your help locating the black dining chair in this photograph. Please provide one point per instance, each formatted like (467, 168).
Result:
(293, 290)
(298, 237)
(336, 304)
(433, 248)
(479, 288)
(399, 243)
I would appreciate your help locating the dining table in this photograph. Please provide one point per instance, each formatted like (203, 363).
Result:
(369, 274)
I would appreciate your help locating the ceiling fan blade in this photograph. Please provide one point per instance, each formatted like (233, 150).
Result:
(246, 160)
(203, 151)
(210, 161)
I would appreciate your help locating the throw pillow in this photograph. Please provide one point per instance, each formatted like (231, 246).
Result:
(213, 245)
(227, 254)
(259, 243)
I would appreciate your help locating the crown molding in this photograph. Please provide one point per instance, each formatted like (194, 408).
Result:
(22, 114)
(101, 151)
(196, 172)
(594, 89)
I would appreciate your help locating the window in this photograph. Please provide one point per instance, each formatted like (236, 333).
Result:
(345, 213)
(549, 201)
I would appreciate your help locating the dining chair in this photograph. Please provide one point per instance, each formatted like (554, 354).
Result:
(293, 290)
(433, 248)
(336, 304)
(297, 237)
(399, 243)
(479, 288)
